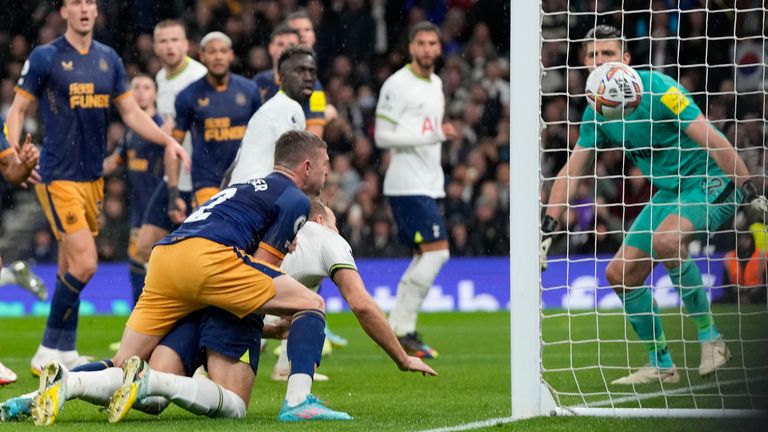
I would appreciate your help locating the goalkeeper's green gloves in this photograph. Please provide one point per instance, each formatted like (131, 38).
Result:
(548, 225)
(758, 202)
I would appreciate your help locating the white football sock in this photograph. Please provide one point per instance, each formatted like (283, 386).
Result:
(299, 387)
(152, 404)
(7, 277)
(95, 387)
(197, 395)
(413, 288)
(282, 359)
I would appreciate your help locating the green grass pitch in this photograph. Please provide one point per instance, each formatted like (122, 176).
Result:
(474, 381)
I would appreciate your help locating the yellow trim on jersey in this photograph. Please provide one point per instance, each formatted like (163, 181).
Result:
(316, 121)
(423, 78)
(269, 248)
(181, 69)
(7, 152)
(25, 93)
(387, 118)
(122, 96)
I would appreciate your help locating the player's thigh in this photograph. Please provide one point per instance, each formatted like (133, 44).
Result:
(79, 249)
(179, 351)
(146, 238)
(640, 233)
(672, 236)
(629, 268)
(708, 204)
(135, 343)
(232, 346)
(418, 219)
(292, 297)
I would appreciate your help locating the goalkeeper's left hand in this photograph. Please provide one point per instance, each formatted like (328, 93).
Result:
(758, 202)
(548, 225)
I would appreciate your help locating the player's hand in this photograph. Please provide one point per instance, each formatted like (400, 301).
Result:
(174, 150)
(450, 131)
(759, 203)
(177, 208)
(28, 153)
(277, 330)
(548, 225)
(415, 364)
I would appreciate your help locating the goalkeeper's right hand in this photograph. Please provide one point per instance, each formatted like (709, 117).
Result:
(548, 225)
(759, 203)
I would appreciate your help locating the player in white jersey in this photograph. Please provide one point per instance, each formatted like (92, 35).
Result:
(409, 122)
(178, 71)
(321, 252)
(281, 113)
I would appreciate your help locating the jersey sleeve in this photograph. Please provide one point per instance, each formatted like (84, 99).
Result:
(336, 253)
(34, 73)
(590, 135)
(5, 147)
(184, 114)
(293, 209)
(672, 101)
(122, 86)
(391, 104)
(314, 108)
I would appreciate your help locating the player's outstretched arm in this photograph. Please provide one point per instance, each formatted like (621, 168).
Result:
(374, 322)
(139, 121)
(728, 159)
(17, 113)
(563, 189)
(17, 168)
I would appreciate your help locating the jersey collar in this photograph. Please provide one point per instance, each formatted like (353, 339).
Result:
(421, 77)
(181, 69)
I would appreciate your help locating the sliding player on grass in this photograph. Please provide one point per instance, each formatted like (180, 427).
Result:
(700, 180)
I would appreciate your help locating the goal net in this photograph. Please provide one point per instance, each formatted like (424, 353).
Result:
(716, 51)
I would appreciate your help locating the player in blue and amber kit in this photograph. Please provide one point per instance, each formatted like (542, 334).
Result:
(216, 110)
(144, 165)
(76, 80)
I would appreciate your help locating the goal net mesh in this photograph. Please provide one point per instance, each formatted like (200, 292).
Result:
(717, 50)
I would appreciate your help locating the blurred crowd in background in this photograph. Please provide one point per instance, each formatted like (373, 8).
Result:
(718, 53)
(360, 43)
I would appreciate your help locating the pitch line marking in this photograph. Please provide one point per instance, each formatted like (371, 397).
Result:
(606, 402)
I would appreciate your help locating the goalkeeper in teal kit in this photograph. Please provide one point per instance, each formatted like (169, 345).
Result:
(701, 181)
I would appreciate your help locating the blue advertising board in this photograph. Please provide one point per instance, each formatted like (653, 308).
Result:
(464, 284)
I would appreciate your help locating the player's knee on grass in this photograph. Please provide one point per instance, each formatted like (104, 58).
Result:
(231, 374)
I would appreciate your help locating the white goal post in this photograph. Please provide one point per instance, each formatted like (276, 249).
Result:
(543, 384)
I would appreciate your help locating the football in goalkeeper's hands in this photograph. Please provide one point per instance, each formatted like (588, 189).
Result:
(614, 90)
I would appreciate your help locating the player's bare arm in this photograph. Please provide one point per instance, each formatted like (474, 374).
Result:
(373, 321)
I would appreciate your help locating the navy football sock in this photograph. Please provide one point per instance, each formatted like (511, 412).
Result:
(94, 366)
(61, 328)
(305, 341)
(137, 273)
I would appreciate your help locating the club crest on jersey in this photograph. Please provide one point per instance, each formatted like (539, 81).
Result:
(203, 102)
(103, 65)
(71, 218)
(67, 66)
(240, 99)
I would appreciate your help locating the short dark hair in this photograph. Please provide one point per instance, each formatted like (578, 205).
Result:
(604, 32)
(301, 13)
(292, 51)
(424, 26)
(295, 146)
(145, 75)
(283, 29)
(166, 23)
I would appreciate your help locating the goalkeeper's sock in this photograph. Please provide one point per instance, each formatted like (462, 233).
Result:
(643, 314)
(136, 272)
(688, 283)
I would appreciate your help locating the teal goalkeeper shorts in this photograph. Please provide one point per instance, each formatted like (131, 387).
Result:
(706, 203)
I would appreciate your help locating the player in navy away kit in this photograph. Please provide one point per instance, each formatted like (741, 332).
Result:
(216, 110)
(144, 163)
(76, 80)
(269, 80)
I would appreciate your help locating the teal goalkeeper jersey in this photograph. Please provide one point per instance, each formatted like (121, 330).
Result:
(653, 136)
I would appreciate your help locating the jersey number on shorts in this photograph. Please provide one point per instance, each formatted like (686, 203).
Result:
(203, 212)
